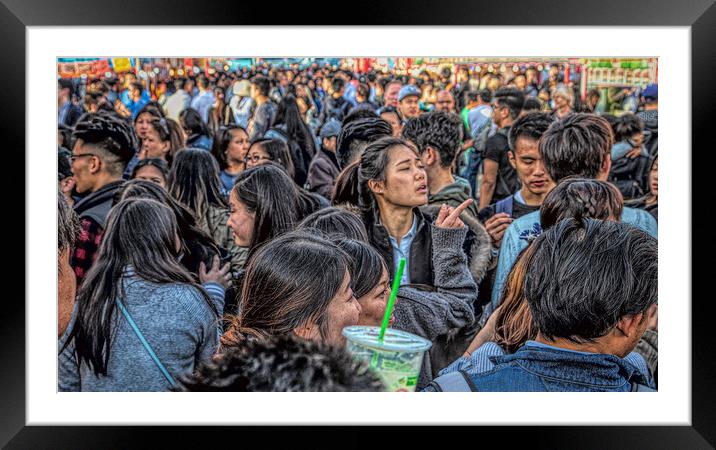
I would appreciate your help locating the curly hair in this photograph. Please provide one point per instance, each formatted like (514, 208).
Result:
(437, 129)
(282, 364)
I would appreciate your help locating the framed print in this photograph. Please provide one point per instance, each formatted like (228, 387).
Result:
(38, 35)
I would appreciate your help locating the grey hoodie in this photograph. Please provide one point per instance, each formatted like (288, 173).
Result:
(432, 313)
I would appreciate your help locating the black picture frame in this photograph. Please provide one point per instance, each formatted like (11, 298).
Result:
(16, 15)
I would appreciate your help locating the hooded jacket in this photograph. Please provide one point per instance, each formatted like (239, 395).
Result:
(453, 195)
(96, 205)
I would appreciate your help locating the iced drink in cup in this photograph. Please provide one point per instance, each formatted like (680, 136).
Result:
(396, 360)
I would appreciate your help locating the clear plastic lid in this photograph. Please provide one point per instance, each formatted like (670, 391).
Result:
(394, 340)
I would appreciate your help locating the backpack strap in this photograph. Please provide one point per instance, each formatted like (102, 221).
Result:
(504, 206)
(146, 345)
(453, 382)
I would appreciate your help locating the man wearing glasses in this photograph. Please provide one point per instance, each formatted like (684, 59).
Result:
(499, 179)
(103, 147)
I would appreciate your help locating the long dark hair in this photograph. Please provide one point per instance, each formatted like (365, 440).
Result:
(579, 198)
(278, 152)
(197, 245)
(289, 281)
(191, 122)
(371, 166)
(297, 130)
(335, 221)
(194, 180)
(272, 195)
(367, 264)
(141, 234)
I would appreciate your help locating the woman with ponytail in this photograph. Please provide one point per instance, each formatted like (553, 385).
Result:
(140, 320)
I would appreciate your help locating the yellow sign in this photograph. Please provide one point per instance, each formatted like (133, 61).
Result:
(121, 64)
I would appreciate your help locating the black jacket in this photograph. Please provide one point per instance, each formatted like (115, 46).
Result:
(322, 173)
(96, 205)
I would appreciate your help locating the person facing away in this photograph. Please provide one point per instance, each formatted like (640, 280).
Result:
(265, 109)
(283, 363)
(581, 345)
(178, 101)
(103, 147)
(324, 169)
(499, 178)
(140, 321)
(578, 145)
(205, 100)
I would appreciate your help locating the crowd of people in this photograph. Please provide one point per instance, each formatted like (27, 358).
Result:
(219, 231)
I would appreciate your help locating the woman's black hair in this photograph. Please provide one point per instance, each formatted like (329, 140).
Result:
(371, 166)
(190, 120)
(169, 131)
(368, 265)
(151, 110)
(296, 129)
(278, 152)
(221, 143)
(290, 281)
(140, 234)
(197, 245)
(267, 191)
(336, 221)
(159, 163)
(194, 180)
(580, 198)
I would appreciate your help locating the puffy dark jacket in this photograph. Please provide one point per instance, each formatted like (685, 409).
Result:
(322, 173)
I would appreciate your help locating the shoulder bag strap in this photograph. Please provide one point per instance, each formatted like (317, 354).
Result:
(146, 345)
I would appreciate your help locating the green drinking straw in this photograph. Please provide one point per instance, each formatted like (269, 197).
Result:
(391, 300)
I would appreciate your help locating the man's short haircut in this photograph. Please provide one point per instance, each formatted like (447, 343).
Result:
(437, 129)
(202, 82)
(263, 85)
(485, 95)
(356, 135)
(584, 276)
(282, 364)
(532, 104)
(626, 126)
(363, 90)
(513, 98)
(359, 112)
(68, 225)
(532, 125)
(337, 84)
(113, 137)
(576, 145)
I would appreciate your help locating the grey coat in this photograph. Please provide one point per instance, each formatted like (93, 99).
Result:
(448, 306)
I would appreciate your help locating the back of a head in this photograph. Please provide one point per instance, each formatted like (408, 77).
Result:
(360, 112)
(577, 145)
(289, 281)
(279, 153)
(191, 121)
(113, 137)
(532, 104)
(356, 135)
(584, 276)
(581, 198)
(194, 180)
(368, 265)
(440, 130)
(268, 192)
(335, 221)
(282, 364)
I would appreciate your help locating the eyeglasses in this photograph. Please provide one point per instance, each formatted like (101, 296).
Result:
(255, 159)
(74, 157)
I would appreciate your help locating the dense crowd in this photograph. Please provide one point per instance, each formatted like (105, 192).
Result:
(220, 231)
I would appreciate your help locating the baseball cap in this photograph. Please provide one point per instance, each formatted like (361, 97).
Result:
(407, 91)
(651, 91)
(330, 128)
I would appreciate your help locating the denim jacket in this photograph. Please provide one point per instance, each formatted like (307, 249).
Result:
(538, 367)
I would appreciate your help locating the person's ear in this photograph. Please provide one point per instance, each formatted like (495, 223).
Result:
(606, 166)
(629, 325)
(376, 187)
(511, 158)
(95, 164)
(166, 146)
(308, 331)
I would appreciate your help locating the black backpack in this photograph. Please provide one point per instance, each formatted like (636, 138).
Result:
(629, 175)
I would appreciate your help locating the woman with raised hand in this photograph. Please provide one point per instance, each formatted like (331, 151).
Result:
(140, 320)
(194, 181)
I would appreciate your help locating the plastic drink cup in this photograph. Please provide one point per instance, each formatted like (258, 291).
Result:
(396, 360)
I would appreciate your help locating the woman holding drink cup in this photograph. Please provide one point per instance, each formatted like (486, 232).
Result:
(423, 313)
